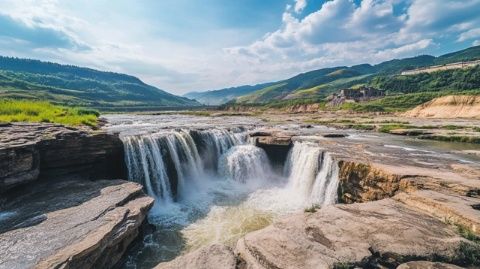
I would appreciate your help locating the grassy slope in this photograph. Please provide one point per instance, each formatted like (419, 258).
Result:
(76, 86)
(38, 111)
(320, 83)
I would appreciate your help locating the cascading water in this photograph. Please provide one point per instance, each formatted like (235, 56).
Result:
(213, 185)
(312, 174)
(245, 163)
(148, 156)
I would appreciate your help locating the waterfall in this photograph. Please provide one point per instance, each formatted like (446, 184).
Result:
(214, 143)
(312, 174)
(146, 166)
(245, 163)
(173, 161)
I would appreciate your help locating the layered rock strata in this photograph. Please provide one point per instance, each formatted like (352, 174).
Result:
(30, 151)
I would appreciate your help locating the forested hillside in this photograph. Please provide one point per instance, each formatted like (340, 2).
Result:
(77, 86)
(318, 84)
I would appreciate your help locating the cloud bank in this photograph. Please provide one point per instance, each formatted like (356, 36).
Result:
(311, 34)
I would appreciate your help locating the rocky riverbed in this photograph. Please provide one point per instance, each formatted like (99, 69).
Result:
(401, 202)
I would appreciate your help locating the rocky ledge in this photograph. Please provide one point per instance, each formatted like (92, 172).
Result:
(31, 151)
(400, 208)
(61, 205)
(71, 224)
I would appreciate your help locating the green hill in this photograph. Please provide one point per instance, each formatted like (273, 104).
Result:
(78, 86)
(320, 83)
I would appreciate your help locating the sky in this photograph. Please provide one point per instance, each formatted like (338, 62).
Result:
(197, 45)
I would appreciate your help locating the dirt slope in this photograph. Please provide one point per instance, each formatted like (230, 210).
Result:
(452, 106)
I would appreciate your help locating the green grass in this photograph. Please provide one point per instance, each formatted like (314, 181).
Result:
(389, 127)
(453, 138)
(41, 111)
(468, 253)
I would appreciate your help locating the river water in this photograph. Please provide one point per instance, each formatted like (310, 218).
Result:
(212, 185)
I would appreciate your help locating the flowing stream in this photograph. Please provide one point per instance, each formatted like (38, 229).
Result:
(211, 184)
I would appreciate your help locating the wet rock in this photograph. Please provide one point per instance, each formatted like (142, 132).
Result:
(213, 256)
(71, 224)
(30, 151)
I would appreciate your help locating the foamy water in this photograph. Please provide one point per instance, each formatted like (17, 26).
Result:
(211, 185)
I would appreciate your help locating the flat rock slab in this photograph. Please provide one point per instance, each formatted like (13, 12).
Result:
(70, 224)
(210, 257)
(384, 232)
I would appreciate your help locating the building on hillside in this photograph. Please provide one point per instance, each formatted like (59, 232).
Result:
(361, 94)
(350, 95)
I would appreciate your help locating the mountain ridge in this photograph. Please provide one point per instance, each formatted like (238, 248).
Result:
(322, 82)
(81, 86)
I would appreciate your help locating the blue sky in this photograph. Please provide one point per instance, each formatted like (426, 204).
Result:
(185, 45)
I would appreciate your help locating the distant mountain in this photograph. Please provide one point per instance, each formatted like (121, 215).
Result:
(322, 82)
(78, 86)
(218, 97)
(469, 54)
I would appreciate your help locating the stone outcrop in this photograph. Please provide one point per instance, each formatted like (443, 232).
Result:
(381, 233)
(30, 151)
(71, 224)
(452, 106)
(360, 182)
(276, 144)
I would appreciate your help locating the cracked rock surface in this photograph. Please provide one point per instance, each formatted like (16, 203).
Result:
(70, 224)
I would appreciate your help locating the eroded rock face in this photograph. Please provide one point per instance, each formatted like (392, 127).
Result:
(360, 182)
(30, 151)
(71, 224)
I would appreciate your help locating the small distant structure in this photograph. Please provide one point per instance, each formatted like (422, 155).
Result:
(444, 67)
(362, 94)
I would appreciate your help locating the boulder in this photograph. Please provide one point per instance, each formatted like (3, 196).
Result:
(70, 224)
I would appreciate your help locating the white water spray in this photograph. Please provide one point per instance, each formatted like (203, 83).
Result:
(245, 163)
(312, 174)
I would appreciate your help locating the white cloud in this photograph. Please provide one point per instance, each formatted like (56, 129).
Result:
(343, 32)
(476, 43)
(470, 34)
(340, 32)
(300, 5)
